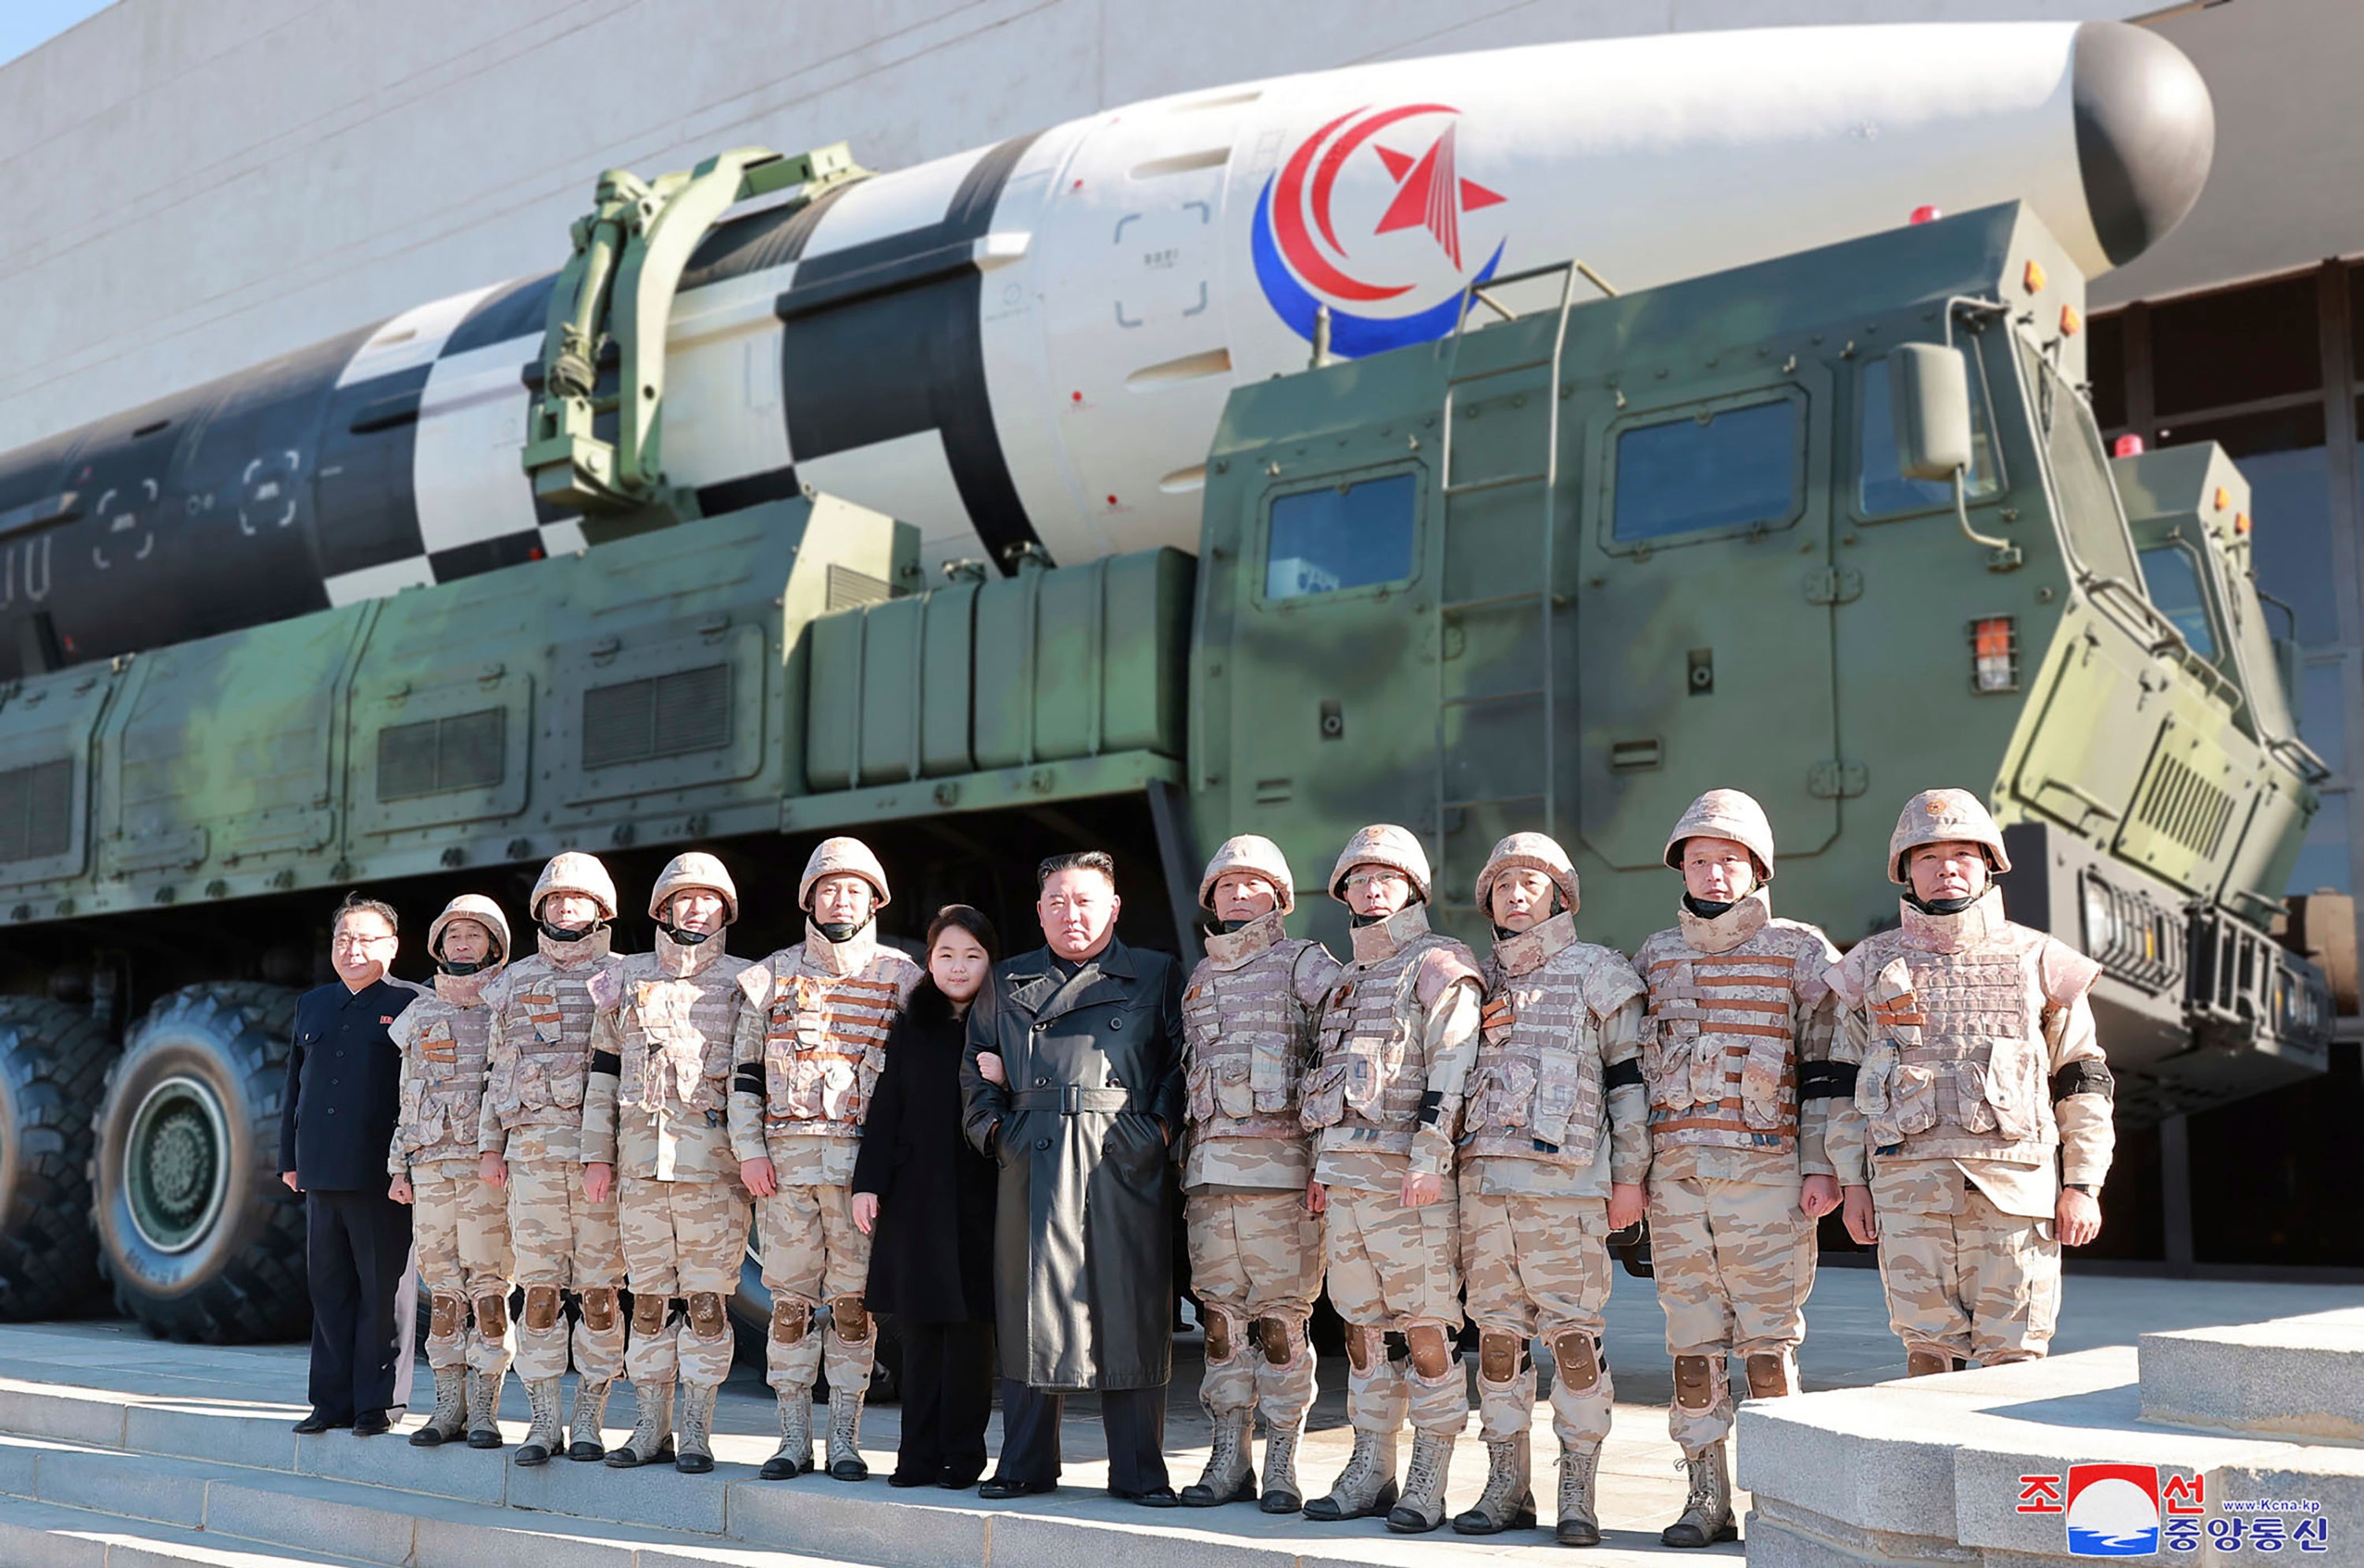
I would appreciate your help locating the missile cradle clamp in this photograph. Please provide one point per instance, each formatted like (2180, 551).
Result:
(616, 291)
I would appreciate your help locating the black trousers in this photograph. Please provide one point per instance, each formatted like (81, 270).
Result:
(357, 1244)
(947, 1399)
(1134, 1418)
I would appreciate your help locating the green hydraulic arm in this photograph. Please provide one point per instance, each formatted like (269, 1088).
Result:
(618, 287)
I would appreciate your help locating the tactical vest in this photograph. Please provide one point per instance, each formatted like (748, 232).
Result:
(674, 1021)
(544, 1015)
(444, 1071)
(1246, 1036)
(1369, 1077)
(1956, 1064)
(1537, 1091)
(825, 1034)
(1720, 1054)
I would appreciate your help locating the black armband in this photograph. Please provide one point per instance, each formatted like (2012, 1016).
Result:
(1827, 1080)
(1431, 1109)
(748, 1080)
(1626, 1074)
(608, 1062)
(2084, 1077)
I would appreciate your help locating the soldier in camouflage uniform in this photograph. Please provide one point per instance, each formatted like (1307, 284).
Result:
(530, 1136)
(810, 1045)
(657, 1109)
(1397, 1034)
(462, 1232)
(1979, 1130)
(1249, 1014)
(1553, 1154)
(1737, 1058)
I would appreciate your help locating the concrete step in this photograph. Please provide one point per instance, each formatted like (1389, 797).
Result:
(2294, 1377)
(50, 1535)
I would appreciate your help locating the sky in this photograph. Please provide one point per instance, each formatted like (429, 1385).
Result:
(27, 25)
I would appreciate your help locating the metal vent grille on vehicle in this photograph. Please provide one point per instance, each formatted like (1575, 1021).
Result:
(2185, 807)
(37, 811)
(438, 755)
(848, 588)
(666, 716)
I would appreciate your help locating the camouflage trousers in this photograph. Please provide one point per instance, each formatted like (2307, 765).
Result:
(1256, 1258)
(1539, 1266)
(1734, 1261)
(565, 1241)
(461, 1227)
(1393, 1275)
(812, 1253)
(683, 1243)
(1976, 1283)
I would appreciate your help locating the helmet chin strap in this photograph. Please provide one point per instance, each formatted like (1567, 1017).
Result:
(1941, 905)
(840, 931)
(557, 933)
(684, 939)
(1708, 908)
(462, 971)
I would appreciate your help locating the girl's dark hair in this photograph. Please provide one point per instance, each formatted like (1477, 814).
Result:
(971, 920)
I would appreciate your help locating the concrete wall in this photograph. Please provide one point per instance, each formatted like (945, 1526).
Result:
(197, 187)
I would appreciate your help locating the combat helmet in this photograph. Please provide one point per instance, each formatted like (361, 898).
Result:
(1529, 852)
(1249, 852)
(1382, 844)
(484, 912)
(842, 857)
(572, 871)
(1725, 814)
(1942, 816)
(694, 869)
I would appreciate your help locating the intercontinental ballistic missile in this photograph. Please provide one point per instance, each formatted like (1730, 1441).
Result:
(1028, 346)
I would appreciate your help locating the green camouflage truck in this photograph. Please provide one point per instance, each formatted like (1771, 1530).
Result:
(1831, 528)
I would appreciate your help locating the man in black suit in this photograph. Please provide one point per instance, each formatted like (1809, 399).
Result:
(335, 1124)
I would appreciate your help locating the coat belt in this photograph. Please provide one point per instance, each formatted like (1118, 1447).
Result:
(1071, 1099)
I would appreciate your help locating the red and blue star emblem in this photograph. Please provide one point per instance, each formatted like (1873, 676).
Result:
(1303, 264)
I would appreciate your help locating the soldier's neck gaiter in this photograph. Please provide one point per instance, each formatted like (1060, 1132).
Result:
(684, 939)
(840, 931)
(1708, 908)
(566, 933)
(1941, 905)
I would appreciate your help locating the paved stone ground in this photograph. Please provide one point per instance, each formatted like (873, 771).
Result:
(1641, 1488)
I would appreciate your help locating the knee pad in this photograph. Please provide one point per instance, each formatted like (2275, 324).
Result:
(1431, 1349)
(492, 1314)
(1282, 1338)
(540, 1308)
(1501, 1355)
(1927, 1364)
(708, 1318)
(1576, 1358)
(649, 1312)
(789, 1320)
(852, 1318)
(1695, 1382)
(444, 1318)
(601, 1311)
(1768, 1375)
(1364, 1341)
(1218, 1334)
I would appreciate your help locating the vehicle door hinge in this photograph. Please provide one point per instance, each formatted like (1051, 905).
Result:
(1833, 585)
(1836, 780)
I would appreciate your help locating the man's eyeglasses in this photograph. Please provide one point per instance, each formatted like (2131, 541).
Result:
(1363, 879)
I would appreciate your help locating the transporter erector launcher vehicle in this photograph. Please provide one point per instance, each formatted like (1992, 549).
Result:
(1320, 480)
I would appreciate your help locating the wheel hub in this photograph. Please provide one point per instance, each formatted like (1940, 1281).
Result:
(175, 1164)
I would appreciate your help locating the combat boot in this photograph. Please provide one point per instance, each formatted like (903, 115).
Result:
(795, 1456)
(1707, 1508)
(696, 1428)
(542, 1438)
(1421, 1506)
(590, 1408)
(1230, 1476)
(450, 1408)
(484, 1408)
(651, 1438)
(1508, 1500)
(1366, 1486)
(1580, 1520)
(845, 1461)
(1281, 1493)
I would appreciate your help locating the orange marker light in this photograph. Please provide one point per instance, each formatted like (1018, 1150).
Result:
(2223, 497)
(1994, 656)
(2032, 279)
(2241, 523)
(2069, 321)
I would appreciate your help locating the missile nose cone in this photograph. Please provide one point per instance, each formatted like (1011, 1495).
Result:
(2146, 133)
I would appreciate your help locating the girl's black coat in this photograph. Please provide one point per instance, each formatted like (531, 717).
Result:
(932, 1259)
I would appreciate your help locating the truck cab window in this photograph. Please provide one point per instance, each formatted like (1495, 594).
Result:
(2090, 521)
(1710, 469)
(2173, 578)
(1881, 491)
(1340, 536)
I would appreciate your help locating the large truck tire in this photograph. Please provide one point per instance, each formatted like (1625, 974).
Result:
(52, 1068)
(198, 1235)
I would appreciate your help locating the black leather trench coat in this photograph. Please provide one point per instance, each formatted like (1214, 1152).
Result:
(1083, 1252)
